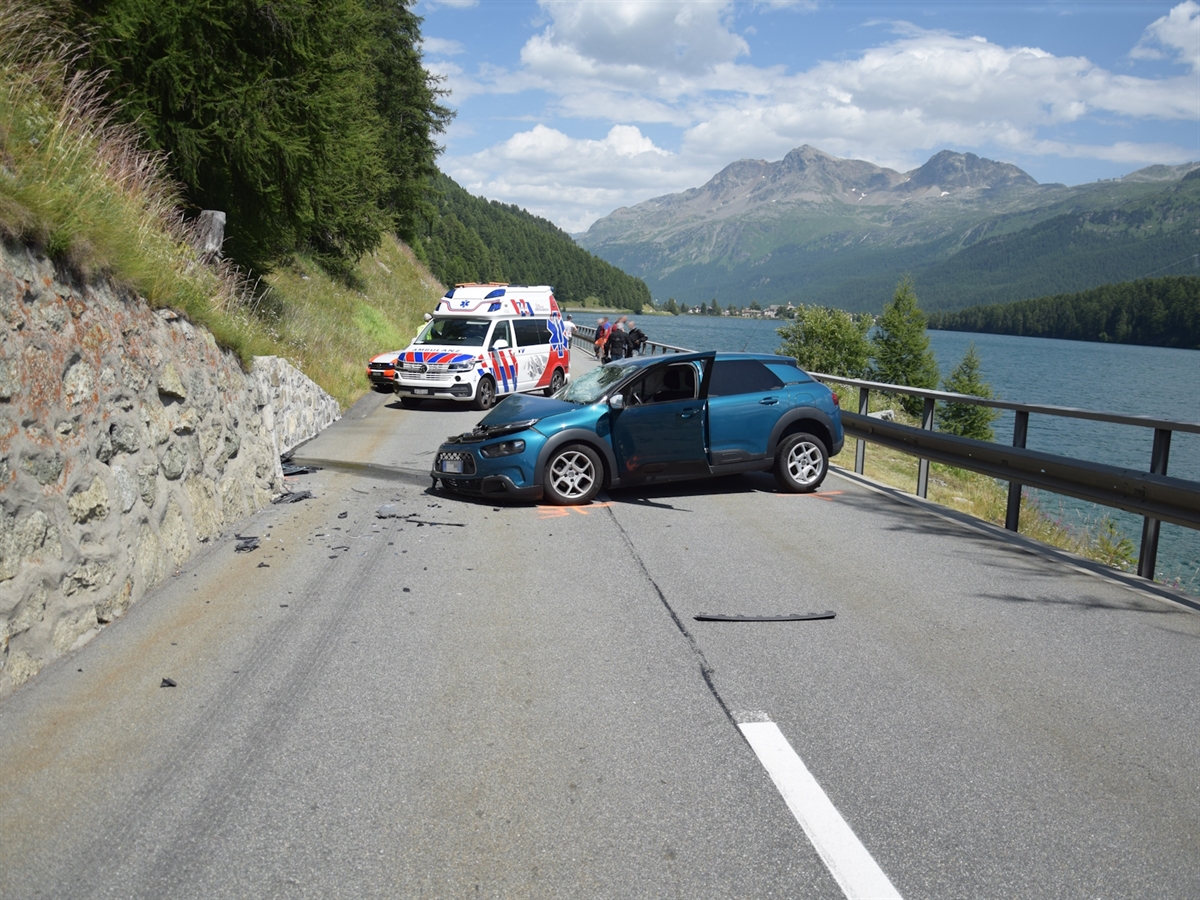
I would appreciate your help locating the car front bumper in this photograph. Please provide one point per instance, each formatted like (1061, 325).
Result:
(462, 468)
(492, 486)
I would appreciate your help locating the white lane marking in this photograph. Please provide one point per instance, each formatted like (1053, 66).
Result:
(854, 869)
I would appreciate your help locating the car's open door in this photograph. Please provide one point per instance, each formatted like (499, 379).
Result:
(660, 432)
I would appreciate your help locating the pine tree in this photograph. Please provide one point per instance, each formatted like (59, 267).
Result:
(967, 419)
(900, 350)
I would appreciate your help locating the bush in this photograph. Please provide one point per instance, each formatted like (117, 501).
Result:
(831, 341)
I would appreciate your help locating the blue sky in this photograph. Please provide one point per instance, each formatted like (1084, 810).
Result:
(573, 108)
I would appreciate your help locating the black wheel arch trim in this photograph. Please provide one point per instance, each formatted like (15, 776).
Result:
(799, 414)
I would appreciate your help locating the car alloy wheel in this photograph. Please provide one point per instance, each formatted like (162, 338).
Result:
(801, 463)
(572, 475)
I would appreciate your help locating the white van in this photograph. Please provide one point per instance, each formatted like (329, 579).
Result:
(485, 341)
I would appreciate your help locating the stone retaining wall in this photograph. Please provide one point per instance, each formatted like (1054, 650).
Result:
(128, 440)
(302, 409)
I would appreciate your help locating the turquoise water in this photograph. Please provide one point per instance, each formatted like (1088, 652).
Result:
(1113, 378)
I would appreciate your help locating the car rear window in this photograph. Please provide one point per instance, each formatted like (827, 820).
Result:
(742, 376)
(788, 372)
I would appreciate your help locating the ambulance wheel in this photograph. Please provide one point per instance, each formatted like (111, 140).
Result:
(572, 476)
(557, 380)
(485, 394)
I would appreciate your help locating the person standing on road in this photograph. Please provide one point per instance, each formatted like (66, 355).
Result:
(601, 342)
(637, 339)
(568, 329)
(618, 340)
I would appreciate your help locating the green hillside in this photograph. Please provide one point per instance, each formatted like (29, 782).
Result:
(474, 239)
(1160, 312)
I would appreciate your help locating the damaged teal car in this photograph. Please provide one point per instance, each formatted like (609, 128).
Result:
(650, 420)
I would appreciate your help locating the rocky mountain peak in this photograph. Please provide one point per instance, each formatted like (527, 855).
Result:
(956, 171)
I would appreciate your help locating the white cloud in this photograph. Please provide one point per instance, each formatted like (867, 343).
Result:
(681, 65)
(441, 46)
(1178, 32)
(574, 181)
(626, 38)
(933, 90)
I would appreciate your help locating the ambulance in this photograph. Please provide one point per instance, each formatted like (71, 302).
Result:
(485, 341)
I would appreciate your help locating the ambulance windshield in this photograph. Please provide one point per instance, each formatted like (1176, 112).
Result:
(455, 332)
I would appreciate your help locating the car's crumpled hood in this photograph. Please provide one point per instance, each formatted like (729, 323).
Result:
(522, 407)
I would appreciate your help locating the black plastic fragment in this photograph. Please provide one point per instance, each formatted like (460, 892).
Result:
(294, 497)
(343, 515)
(264, 565)
(245, 543)
(290, 469)
(168, 682)
(795, 617)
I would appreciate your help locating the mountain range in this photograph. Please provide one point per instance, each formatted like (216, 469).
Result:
(815, 228)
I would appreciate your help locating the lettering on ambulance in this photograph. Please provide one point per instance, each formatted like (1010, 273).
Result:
(435, 357)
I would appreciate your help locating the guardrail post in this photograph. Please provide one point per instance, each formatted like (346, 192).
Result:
(923, 465)
(1012, 518)
(1148, 556)
(860, 446)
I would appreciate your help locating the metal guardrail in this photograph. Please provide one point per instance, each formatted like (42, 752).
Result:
(1153, 495)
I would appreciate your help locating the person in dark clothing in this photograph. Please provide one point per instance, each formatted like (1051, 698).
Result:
(618, 343)
(637, 339)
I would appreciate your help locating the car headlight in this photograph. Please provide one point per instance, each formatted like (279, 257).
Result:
(503, 448)
(461, 366)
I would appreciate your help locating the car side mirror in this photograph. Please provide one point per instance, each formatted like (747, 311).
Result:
(501, 344)
(616, 401)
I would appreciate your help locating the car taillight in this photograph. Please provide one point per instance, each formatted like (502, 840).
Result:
(837, 401)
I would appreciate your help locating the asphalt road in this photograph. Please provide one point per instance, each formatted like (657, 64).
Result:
(468, 700)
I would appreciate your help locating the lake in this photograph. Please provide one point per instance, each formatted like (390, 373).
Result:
(1116, 378)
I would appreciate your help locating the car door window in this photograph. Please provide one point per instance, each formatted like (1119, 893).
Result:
(527, 333)
(663, 385)
(501, 333)
(741, 376)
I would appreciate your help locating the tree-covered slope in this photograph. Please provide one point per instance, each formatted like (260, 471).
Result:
(311, 123)
(474, 239)
(1160, 312)
(817, 229)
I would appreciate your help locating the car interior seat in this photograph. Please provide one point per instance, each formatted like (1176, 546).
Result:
(674, 387)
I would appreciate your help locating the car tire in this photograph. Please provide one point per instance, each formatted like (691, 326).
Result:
(573, 475)
(557, 380)
(485, 394)
(801, 462)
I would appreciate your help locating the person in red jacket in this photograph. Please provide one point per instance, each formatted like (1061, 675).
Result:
(603, 329)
